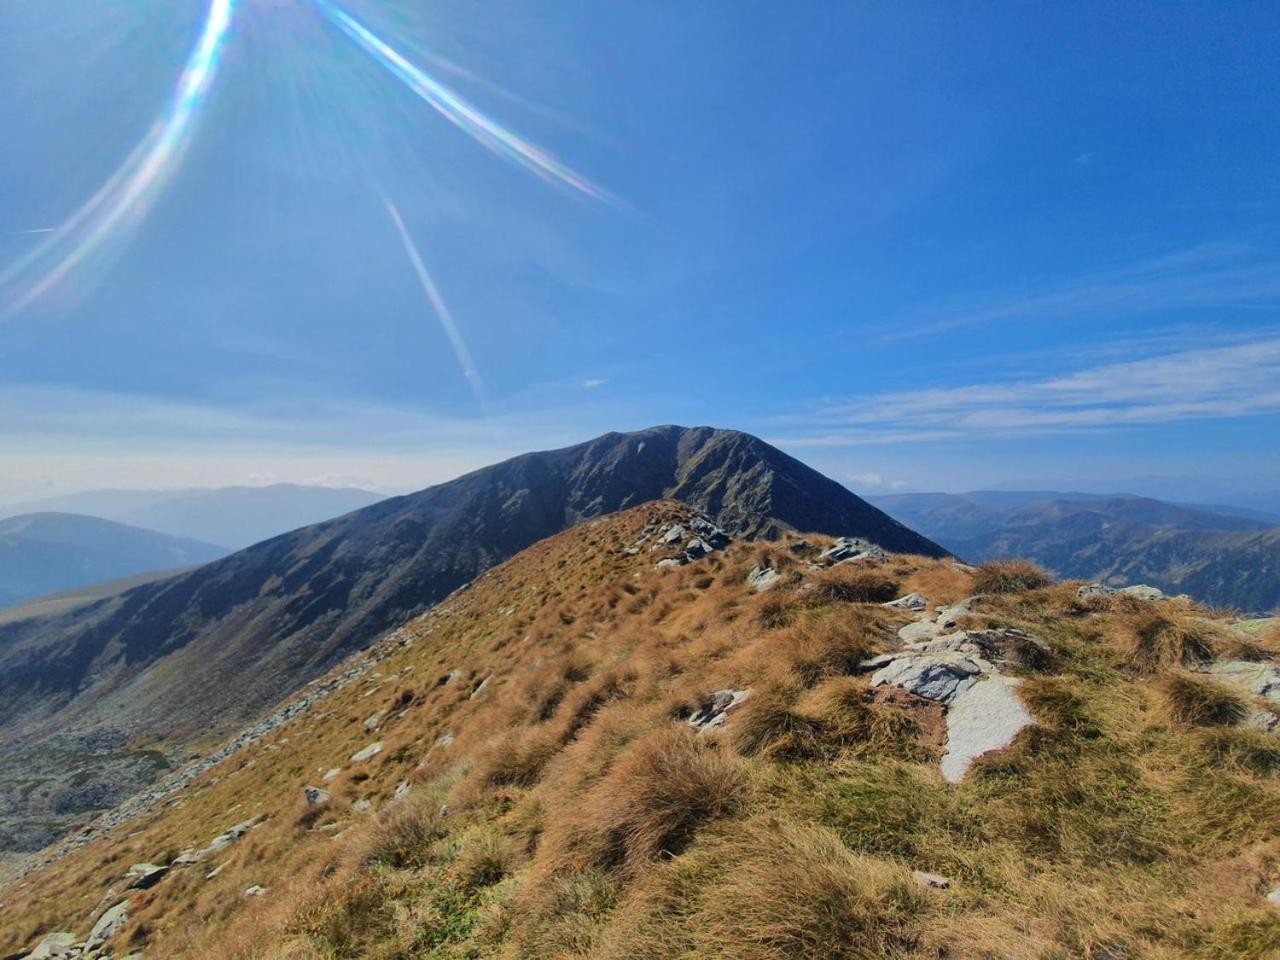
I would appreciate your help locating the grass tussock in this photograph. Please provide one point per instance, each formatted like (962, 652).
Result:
(854, 585)
(404, 834)
(769, 725)
(1197, 702)
(1165, 638)
(1010, 576)
(774, 890)
(662, 789)
(814, 649)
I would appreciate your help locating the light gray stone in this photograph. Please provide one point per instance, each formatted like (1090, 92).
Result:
(108, 925)
(919, 631)
(256, 891)
(762, 578)
(1260, 678)
(912, 601)
(315, 796)
(852, 548)
(941, 678)
(1143, 592)
(59, 944)
(333, 774)
(373, 722)
(930, 880)
(142, 876)
(714, 712)
(368, 753)
(984, 717)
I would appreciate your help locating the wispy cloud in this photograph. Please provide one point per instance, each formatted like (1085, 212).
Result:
(1208, 275)
(1238, 380)
(593, 383)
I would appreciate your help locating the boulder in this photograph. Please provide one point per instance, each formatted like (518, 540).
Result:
(315, 796)
(920, 630)
(949, 614)
(852, 548)
(714, 711)
(1260, 678)
(1143, 592)
(912, 601)
(60, 944)
(108, 925)
(762, 578)
(369, 752)
(372, 723)
(142, 876)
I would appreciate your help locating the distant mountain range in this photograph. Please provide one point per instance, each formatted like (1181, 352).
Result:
(232, 517)
(191, 657)
(1223, 555)
(43, 553)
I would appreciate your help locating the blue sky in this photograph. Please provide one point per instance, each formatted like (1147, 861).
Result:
(925, 246)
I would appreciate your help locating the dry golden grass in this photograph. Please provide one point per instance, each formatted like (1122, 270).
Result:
(849, 584)
(1009, 576)
(576, 815)
(1198, 702)
(1166, 636)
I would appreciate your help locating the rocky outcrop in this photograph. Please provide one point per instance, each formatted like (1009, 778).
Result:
(714, 711)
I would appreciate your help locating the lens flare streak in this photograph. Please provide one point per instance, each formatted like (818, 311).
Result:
(126, 198)
(459, 112)
(442, 311)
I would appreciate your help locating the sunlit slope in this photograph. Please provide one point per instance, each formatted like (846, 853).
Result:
(599, 753)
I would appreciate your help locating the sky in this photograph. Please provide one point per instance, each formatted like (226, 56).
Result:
(921, 246)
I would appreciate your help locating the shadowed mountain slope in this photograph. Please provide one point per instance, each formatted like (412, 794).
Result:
(42, 553)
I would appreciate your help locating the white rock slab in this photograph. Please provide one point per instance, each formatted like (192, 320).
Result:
(983, 717)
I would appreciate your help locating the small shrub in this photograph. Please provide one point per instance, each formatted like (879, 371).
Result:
(1201, 703)
(854, 585)
(1160, 639)
(1010, 576)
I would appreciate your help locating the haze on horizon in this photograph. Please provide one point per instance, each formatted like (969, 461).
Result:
(381, 243)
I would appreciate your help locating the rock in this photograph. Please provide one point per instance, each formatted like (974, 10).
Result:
(714, 537)
(1095, 590)
(255, 891)
(444, 740)
(143, 876)
(481, 687)
(368, 753)
(315, 796)
(800, 546)
(984, 717)
(940, 678)
(949, 614)
(912, 601)
(670, 563)
(362, 806)
(108, 925)
(930, 880)
(671, 533)
(1274, 896)
(451, 677)
(852, 548)
(1143, 592)
(402, 789)
(1264, 720)
(372, 723)
(59, 944)
(714, 712)
(1262, 679)
(216, 870)
(762, 578)
(333, 774)
(920, 630)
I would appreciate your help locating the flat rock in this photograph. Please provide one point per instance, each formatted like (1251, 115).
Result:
(940, 678)
(255, 891)
(1274, 896)
(59, 944)
(368, 753)
(930, 880)
(852, 548)
(912, 601)
(1260, 678)
(918, 631)
(372, 723)
(109, 924)
(985, 716)
(332, 774)
(949, 614)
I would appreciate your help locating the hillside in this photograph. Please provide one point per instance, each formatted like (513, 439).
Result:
(44, 553)
(182, 661)
(1224, 559)
(232, 517)
(616, 746)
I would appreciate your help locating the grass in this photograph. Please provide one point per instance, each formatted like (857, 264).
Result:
(576, 815)
(1010, 576)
